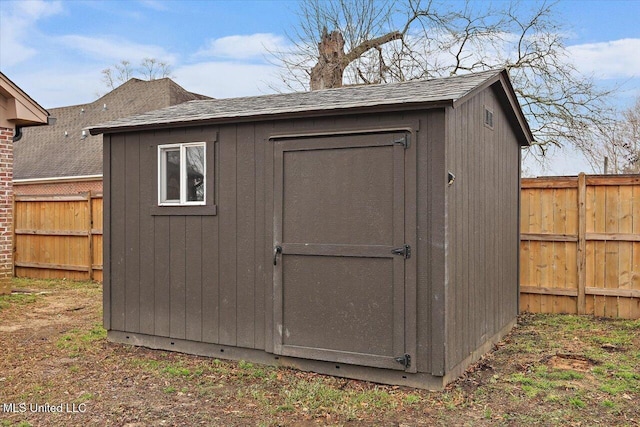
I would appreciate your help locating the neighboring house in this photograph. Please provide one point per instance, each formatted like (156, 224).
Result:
(17, 111)
(64, 158)
(369, 232)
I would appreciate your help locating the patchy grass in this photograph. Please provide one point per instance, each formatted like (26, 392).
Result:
(79, 340)
(551, 370)
(17, 299)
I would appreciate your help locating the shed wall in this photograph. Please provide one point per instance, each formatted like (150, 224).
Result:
(481, 226)
(431, 177)
(209, 278)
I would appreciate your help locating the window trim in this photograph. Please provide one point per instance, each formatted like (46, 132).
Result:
(182, 148)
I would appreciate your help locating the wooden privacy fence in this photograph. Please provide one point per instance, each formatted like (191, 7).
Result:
(580, 242)
(580, 245)
(58, 236)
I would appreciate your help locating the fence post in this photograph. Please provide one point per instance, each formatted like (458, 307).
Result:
(582, 243)
(90, 234)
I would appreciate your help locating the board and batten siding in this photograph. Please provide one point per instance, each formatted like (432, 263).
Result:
(430, 252)
(193, 277)
(481, 226)
(209, 278)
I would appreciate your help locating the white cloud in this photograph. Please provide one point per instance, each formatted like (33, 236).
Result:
(18, 29)
(608, 60)
(115, 49)
(72, 84)
(244, 46)
(227, 79)
(36, 9)
(62, 86)
(558, 161)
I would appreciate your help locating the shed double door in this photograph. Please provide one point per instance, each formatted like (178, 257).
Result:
(339, 249)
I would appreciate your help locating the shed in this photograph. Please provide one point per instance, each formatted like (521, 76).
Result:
(367, 232)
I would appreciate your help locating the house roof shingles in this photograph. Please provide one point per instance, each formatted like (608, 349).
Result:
(60, 150)
(446, 90)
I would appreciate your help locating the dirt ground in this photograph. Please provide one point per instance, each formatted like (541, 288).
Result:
(58, 369)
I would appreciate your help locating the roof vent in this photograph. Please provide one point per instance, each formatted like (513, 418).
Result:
(104, 107)
(488, 118)
(66, 134)
(82, 110)
(84, 134)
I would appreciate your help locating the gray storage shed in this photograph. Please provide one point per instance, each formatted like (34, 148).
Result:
(368, 232)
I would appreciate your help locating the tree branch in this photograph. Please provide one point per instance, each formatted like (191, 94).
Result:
(363, 47)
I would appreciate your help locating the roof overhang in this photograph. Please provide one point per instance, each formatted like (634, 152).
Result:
(21, 110)
(502, 84)
(414, 95)
(96, 130)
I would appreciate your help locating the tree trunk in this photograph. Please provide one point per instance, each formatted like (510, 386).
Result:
(332, 61)
(327, 73)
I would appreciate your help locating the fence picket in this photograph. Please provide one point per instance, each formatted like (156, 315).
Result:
(58, 236)
(606, 265)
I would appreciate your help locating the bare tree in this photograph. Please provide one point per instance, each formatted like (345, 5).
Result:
(632, 132)
(150, 69)
(398, 40)
(118, 74)
(617, 144)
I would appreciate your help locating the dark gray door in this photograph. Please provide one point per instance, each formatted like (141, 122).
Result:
(339, 291)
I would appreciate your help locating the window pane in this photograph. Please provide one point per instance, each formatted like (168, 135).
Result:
(195, 173)
(172, 175)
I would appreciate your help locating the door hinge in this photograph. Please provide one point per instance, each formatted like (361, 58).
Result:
(405, 360)
(405, 141)
(405, 251)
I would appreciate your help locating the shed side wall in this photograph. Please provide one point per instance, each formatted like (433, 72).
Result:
(481, 226)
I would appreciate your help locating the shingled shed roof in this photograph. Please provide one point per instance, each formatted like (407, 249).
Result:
(62, 150)
(419, 93)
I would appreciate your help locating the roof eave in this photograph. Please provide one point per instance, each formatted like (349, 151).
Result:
(39, 114)
(96, 130)
(517, 109)
(525, 135)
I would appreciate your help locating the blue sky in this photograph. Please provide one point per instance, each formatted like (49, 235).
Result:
(55, 50)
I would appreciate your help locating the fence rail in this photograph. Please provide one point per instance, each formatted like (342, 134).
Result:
(58, 236)
(580, 245)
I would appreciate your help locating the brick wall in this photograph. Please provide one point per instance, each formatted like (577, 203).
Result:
(6, 209)
(57, 188)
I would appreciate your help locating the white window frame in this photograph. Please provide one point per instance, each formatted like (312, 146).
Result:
(162, 174)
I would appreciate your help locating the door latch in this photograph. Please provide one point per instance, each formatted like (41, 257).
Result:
(404, 360)
(405, 251)
(276, 251)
